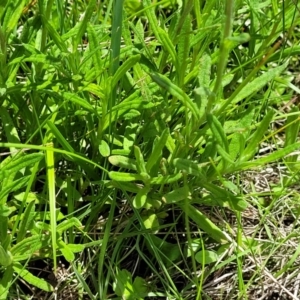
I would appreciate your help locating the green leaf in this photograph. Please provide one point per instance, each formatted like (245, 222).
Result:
(31, 279)
(156, 152)
(14, 164)
(4, 210)
(171, 252)
(258, 83)
(26, 221)
(83, 24)
(14, 186)
(126, 186)
(12, 15)
(65, 225)
(227, 158)
(121, 176)
(167, 45)
(294, 50)
(235, 146)
(261, 130)
(224, 197)
(188, 166)
(175, 91)
(123, 284)
(76, 248)
(126, 66)
(82, 282)
(204, 71)
(5, 257)
(140, 164)
(49, 161)
(184, 49)
(177, 195)
(218, 131)
(140, 287)
(66, 251)
(151, 16)
(36, 58)
(54, 35)
(104, 148)
(203, 222)
(78, 101)
(65, 144)
(206, 257)
(26, 248)
(9, 128)
(292, 127)
(270, 158)
(120, 109)
(166, 179)
(151, 221)
(291, 134)
(141, 197)
(123, 162)
(5, 282)
(95, 48)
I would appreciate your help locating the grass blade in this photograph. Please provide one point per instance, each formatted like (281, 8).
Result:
(52, 200)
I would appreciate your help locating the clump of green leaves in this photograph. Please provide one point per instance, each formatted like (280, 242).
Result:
(136, 117)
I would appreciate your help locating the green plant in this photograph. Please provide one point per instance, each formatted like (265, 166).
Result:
(127, 128)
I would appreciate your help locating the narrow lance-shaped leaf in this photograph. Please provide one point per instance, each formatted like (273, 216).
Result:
(218, 131)
(166, 179)
(95, 48)
(204, 71)
(13, 186)
(188, 166)
(247, 88)
(151, 17)
(9, 128)
(177, 195)
(5, 257)
(123, 162)
(54, 35)
(203, 222)
(175, 91)
(16, 164)
(31, 279)
(78, 101)
(121, 176)
(26, 221)
(167, 44)
(157, 149)
(87, 16)
(183, 49)
(140, 163)
(292, 127)
(223, 196)
(270, 158)
(126, 66)
(250, 150)
(227, 158)
(65, 225)
(25, 244)
(60, 137)
(12, 15)
(5, 282)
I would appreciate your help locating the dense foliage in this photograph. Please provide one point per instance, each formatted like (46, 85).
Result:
(128, 132)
